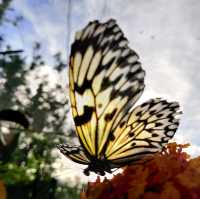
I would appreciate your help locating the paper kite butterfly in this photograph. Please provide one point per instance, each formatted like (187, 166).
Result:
(105, 81)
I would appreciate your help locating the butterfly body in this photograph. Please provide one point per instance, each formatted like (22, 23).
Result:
(98, 166)
(105, 81)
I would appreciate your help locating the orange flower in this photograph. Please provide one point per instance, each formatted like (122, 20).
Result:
(169, 175)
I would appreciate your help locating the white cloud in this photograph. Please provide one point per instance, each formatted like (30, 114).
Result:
(193, 150)
(166, 39)
(46, 23)
(165, 35)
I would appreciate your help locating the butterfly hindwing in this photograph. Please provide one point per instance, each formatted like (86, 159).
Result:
(105, 80)
(75, 153)
(147, 129)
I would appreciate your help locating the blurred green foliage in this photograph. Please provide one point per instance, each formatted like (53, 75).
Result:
(26, 154)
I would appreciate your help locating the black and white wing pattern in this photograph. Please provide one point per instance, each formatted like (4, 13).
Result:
(105, 80)
(75, 153)
(147, 129)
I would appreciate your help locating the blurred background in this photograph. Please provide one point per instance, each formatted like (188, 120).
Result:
(35, 38)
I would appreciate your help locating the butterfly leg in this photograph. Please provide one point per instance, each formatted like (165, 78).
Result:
(87, 171)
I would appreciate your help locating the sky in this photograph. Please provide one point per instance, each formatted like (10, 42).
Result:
(165, 34)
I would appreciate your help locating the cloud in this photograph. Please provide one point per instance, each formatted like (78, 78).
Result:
(44, 22)
(193, 150)
(165, 35)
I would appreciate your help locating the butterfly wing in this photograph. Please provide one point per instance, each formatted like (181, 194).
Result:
(145, 131)
(74, 153)
(105, 80)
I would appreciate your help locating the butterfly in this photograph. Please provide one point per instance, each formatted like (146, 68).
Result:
(105, 81)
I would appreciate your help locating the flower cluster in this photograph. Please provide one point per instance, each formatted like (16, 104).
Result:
(169, 175)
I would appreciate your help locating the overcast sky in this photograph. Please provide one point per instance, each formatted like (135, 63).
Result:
(166, 35)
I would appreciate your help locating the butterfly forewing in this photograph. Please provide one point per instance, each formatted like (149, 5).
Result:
(106, 79)
(147, 129)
